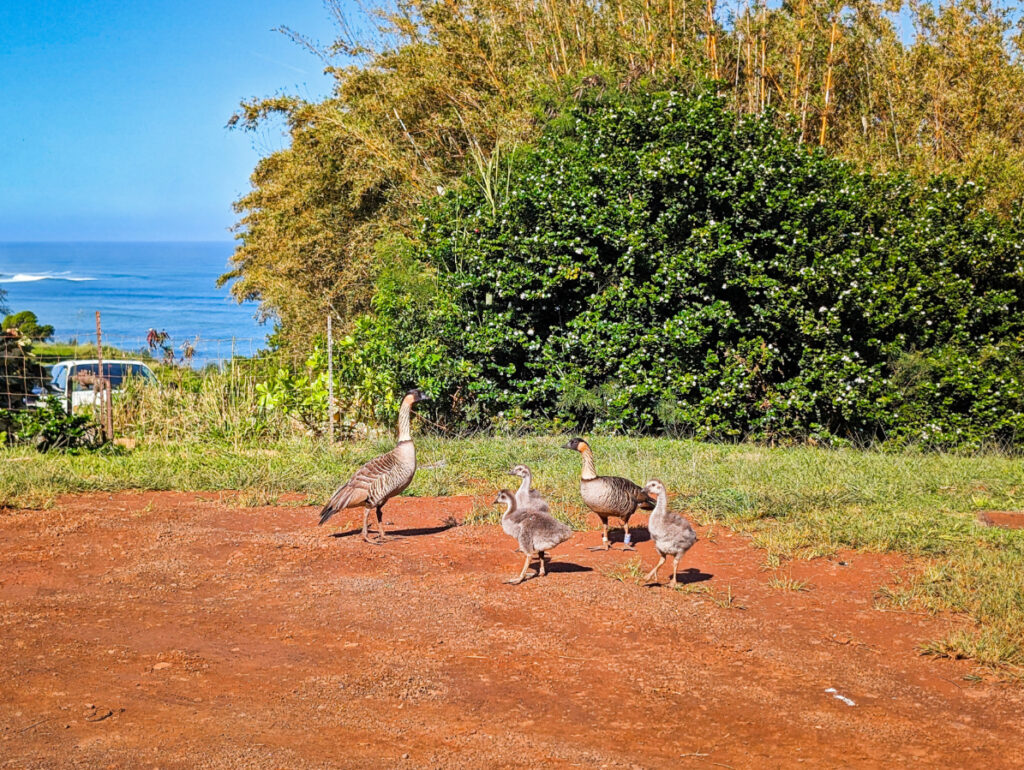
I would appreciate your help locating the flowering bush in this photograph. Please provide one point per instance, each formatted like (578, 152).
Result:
(661, 264)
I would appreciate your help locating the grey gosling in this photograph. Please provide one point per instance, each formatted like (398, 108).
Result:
(535, 531)
(527, 499)
(382, 478)
(672, 534)
(608, 496)
(525, 496)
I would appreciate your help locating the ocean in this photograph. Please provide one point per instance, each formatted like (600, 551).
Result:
(136, 287)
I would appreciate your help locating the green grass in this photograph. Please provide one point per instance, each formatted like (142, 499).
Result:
(631, 571)
(57, 351)
(794, 502)
(723, 598)
(787, 583)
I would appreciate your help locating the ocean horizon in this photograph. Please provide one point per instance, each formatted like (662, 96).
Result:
(136, 286)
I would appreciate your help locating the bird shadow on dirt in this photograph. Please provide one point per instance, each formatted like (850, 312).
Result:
(400, 532)
(567, 566)
(683, 577)
(636, 535)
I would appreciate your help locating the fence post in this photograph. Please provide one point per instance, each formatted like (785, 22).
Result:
(97, 386)
(330, 381)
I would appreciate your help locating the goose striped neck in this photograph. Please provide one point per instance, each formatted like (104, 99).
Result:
(589, 472)
(404, 432)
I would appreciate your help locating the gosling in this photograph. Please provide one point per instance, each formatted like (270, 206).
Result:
(526, 497)
(672, 534)
(608, 496)
(536, 532)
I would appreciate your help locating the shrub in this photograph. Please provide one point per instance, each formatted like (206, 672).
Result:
(400, 344)
(663, 264)
(299, 395)
(20, 372)
(50, 427)
(28, 324)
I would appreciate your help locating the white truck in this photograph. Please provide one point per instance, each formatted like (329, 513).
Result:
(71, 380)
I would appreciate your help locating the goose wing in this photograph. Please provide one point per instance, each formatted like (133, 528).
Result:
(615, 495)
(367, 483)
(541, 532)
(678, 535)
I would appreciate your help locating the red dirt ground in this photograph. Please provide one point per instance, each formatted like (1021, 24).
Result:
(174, 630)
(1005, 519)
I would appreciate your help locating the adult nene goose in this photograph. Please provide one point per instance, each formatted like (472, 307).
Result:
(535, 531)
(383, 477)
(608, 496)
(672, 534)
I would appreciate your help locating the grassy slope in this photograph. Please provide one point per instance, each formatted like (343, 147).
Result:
(801, 502)
(56, 351)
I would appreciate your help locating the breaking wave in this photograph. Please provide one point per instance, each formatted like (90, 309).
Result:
(30, 277)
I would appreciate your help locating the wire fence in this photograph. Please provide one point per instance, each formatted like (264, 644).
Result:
(83, 371)
(202, 383)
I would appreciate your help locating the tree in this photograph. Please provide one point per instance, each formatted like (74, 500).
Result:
(662, 263)
(27, 323)
(439, 88)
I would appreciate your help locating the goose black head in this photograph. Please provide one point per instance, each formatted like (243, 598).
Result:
(576, 444)
(417, 395)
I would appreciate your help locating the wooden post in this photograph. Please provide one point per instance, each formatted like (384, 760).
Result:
(97, 386)
(330, 381)
(110, 409)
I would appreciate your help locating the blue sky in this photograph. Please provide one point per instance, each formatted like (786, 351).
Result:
(112, 113)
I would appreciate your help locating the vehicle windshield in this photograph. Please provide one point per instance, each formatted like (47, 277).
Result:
(60, 378)
(115, 371)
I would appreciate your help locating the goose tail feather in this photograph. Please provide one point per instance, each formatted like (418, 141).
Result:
(339, 501)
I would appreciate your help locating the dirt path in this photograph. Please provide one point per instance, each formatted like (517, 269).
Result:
(173, 630)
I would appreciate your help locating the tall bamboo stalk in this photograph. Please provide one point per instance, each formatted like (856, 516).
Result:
(558, 32)
(748, 56)
(828, 79)
(763, 32)
(801, 16)
(671, 33)
(712, 45)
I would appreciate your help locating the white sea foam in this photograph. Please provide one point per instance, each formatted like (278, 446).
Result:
(30, 277)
